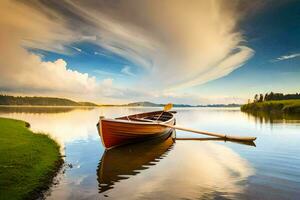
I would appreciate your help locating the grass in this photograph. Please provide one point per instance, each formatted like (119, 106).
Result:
(28, 161)
(280, 106)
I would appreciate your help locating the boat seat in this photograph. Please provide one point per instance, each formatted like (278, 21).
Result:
(140, 119)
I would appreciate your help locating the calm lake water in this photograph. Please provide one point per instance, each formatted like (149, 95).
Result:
(170, 168)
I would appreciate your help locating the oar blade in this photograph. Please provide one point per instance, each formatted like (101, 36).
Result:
(168, 107)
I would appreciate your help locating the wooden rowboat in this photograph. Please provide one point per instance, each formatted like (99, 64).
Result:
(134, 128)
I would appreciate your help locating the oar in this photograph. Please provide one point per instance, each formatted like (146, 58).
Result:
(167, 107)
(229, 137)
(218, 135)
(249, 143)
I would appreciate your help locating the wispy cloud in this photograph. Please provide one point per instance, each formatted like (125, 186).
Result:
(106, 73)
(77, 49)
(200, 43)
(89, 37)
(189, 50)
(286, 57)
(99, 53)
(127, 70)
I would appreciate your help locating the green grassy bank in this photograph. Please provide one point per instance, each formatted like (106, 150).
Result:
(279, 106)
(28, 161)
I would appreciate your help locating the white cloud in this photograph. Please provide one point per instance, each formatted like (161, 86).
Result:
(221, 69)
(30, 73)
(25, 72)
(77, 49)
(285, 57)
(107, 82)
(106, 73)
(127, 71)
(99, 53)
(89, 37)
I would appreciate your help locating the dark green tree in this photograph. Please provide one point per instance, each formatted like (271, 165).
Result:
(256, 98)
(261, 98)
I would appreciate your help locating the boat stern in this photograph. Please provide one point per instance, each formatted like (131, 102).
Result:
(100, 132)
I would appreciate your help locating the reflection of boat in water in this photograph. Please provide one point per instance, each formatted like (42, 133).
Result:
(199, 169)
(126, 161)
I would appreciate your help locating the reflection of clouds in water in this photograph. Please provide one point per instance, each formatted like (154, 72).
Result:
(72, 189)
(221, 120)
(78, 124)
(64, 127)
(205, 116)
(191, 170)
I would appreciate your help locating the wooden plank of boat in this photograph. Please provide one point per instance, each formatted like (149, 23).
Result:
(134, 128)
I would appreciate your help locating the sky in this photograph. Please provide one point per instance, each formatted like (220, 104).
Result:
(180, 51)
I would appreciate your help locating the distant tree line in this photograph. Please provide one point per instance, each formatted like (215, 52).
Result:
(38, 101)
(275, 96)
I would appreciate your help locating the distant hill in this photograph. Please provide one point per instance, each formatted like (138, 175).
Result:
(150, 104)
(145, 104)
(87, 104)
(40, 101)
(53, 101)
(221, 105)
(182, 105)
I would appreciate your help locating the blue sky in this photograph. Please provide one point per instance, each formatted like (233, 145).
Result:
(194, 52)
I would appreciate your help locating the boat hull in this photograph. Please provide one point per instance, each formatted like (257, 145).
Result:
(119, 132)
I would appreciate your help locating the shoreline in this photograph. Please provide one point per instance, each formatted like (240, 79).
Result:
(29, 163)
(47, 106)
